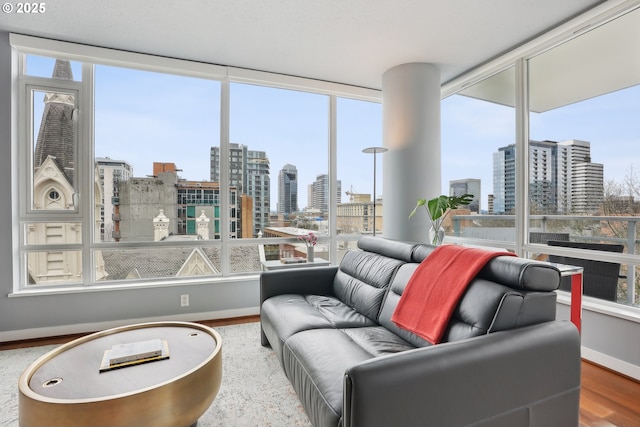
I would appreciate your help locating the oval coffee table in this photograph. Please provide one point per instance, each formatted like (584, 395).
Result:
(65, 386)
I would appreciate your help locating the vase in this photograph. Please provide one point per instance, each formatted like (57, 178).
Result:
(310, 254)
(436, 238)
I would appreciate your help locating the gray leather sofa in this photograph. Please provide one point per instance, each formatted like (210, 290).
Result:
(504, 360)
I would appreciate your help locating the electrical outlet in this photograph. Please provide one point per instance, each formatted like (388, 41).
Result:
(184, 300)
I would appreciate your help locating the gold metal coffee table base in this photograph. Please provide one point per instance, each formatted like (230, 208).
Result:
(64, 387)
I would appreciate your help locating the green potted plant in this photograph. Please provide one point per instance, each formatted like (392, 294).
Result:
(437, 210)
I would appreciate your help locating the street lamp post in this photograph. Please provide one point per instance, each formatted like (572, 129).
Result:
(374, 151)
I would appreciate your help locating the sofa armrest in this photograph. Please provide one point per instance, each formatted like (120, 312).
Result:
(303, 281)
(521, 377)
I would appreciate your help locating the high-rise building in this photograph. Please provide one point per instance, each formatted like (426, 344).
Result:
(471, 186)
(320, 193)
(588, 187)
(499, 179)
(111, 173)
(237, 165)
(580, 182)
(542, 177)
(562, 178)
(288, 189)
(249, 175)
(504, 188)
(258, 189)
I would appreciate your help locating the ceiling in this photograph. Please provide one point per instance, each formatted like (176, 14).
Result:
(345, 41)
(601, 60)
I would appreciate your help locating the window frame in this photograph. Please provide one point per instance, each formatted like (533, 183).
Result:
(28, 138)
(599, 16)
(89, 56)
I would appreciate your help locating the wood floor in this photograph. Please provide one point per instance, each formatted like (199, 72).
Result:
(607, 399)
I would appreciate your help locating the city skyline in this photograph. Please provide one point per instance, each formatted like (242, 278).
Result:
(476, 128)
(562, 178)
(464, 129)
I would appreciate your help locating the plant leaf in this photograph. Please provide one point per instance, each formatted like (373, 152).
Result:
(419, 203)
(464, 199)
(437, 206)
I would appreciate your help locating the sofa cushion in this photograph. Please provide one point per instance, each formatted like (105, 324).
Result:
(397, 249)
(362, 280)
(284, 315)
(517, 273)
(315, 362)
(436, 287)
(391, 301)
(377, 340)
(488, 307)
(522, 273)
(506, 302)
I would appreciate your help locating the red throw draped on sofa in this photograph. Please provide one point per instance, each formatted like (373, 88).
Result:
(434, 289)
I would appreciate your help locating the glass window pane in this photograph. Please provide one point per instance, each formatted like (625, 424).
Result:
(359, 126)
(43, 66)
(584, 157)
(244, 259)
(478, 158)
(278, 160)
(53, 134)
(54, 267)
(153, 135)
(53, 233)
(158, 263)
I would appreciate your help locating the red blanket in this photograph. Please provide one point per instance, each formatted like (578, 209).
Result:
(434, 289)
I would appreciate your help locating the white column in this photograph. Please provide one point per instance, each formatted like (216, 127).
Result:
(411, 132)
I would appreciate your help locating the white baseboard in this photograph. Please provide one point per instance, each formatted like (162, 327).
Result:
(82, 328)
(612, 363)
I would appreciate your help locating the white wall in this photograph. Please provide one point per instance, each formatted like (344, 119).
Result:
(607, 340)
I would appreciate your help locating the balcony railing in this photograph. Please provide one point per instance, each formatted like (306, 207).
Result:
(603, 229)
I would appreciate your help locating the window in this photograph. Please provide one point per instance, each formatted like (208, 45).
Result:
(572, 189)
(109, 164)
(159, 127)
(279, 145)
(146, 172)
(478, 158)
(359, 126)
(589, 192)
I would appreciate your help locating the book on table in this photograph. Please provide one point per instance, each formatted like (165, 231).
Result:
(135, 353)
(293, 260)
(123, 353)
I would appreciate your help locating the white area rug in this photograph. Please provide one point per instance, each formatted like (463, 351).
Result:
(254, 390)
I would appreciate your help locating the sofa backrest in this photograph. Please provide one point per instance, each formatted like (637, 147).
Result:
(364, 276)
(509, 292)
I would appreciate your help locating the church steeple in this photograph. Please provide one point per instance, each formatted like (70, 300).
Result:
(62, 70)
(56, 134)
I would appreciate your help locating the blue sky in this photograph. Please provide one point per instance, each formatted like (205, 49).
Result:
(142, 117)
(473, 130)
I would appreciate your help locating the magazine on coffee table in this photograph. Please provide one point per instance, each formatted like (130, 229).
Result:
(130, 354)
